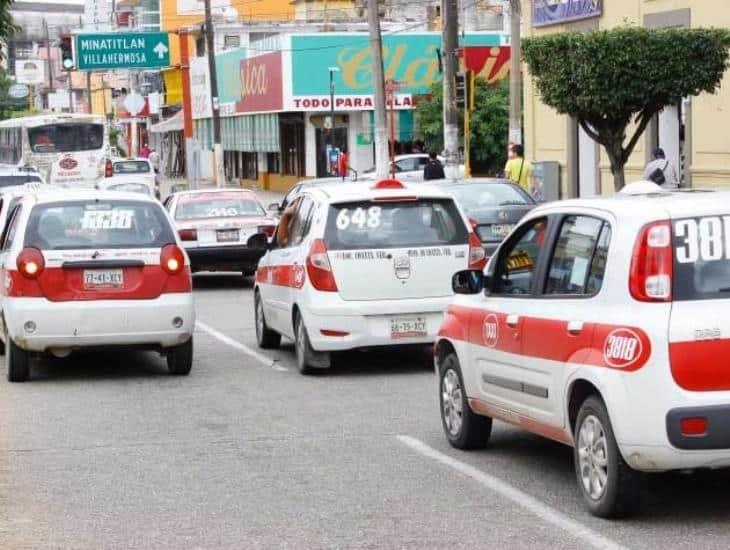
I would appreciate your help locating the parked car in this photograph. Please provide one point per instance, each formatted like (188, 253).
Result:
(409, 168)
(494, 206)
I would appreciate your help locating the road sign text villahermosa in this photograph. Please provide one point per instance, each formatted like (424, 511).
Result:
(126, 51)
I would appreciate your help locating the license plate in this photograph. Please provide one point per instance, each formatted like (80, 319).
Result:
(408, 327)
(104, 278)
(502, 229)
(227, 235)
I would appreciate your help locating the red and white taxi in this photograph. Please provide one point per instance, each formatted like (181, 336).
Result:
(603, 324)
(365, 265)
(221, 229)
(92, 269)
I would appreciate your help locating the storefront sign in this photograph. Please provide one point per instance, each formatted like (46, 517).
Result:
(30, 71)
(554, 12)
(488, 62)
(260, 84)
(200, 88)
(348, 102)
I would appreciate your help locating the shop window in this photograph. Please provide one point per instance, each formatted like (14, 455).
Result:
(272, 163)
(250, 166)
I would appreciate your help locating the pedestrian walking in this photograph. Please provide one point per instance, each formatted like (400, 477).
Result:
(661, 171)
(517, 168)
(433, 170)
(343, 163)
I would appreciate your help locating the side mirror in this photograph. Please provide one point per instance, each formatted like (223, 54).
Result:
(468, 281)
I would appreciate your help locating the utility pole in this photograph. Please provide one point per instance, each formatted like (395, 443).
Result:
(218, 173)
(48, 55)
(450, 31)
(190, 166)
(381, 125)
(515, 75)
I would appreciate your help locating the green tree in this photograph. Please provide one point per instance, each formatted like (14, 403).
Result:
(609, 80)
(489, 124)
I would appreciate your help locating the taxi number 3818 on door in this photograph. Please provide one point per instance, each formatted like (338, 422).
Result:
(365, 265)
(620, 352)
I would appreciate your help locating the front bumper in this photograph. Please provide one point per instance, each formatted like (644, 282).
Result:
(224, 258)
(73, 325)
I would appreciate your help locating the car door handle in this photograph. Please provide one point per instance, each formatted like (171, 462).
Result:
(575, 327)
(513, 321)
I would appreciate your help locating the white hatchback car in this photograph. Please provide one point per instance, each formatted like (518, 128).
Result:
(365, 266)
(603, 324)
(138, 170)
(90, 269)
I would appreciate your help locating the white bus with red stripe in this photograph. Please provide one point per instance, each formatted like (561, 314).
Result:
(603, 324)
(93, 269)
(366, 265)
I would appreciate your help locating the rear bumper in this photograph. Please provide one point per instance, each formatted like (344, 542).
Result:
(224, 258)
(717, 435)
(143, 323)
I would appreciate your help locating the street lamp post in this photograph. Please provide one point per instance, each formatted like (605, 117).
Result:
(331, 131)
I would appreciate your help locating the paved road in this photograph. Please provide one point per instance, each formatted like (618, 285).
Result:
(108, 451)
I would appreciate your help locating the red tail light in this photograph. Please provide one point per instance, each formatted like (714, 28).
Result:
(319, 268)
(650, 278)
(268, 230)
(693, 427)
(172, 259)
(31, 263)
(188, 234)
(108, 169)
(477, 256)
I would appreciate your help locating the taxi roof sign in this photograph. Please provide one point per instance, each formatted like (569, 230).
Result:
(389, 184)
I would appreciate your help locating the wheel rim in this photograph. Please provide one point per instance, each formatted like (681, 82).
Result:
(259, 319)
(452, 402)
(593, 457)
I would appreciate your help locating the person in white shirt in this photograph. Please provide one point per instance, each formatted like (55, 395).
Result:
(661, 171)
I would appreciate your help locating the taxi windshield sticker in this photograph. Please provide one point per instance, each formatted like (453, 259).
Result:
(107, 219)
(519, 260)
(704, 239)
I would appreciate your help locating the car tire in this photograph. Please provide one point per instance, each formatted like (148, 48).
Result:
(17, 361)
(463, 428)
(610, 488)
(302, 346)
(180, 359)
(265, 337)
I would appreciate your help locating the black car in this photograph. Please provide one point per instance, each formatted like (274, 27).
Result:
(493, 205)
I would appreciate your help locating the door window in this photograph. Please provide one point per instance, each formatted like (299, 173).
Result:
(579, 258)
(301, 222)
(407, 165)
(515, 271)
(11, 228)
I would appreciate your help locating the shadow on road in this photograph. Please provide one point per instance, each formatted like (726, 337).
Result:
(222, 281)
(411, 360)
(98, 365)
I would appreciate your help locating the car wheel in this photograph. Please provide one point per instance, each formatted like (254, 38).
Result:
(180, 358)
(609, 486)
(464, 429)
(17, 361)
(303, 347)
(265, 337)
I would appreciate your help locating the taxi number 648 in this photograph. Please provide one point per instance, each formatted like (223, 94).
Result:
(360, 217)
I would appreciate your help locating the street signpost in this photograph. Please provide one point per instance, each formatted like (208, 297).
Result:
(134, 50)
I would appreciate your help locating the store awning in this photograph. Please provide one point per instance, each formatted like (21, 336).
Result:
(257, 133)
(172, 124)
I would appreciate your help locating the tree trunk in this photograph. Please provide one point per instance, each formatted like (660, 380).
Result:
(616, 157)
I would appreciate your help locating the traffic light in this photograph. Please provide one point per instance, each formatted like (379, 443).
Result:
(67, 53)
(461, 92)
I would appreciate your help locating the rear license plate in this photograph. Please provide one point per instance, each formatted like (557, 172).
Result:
(103, 278)
(227, 235)
(408, 327)
(502, 229)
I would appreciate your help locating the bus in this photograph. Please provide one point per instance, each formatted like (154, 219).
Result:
(67, 149)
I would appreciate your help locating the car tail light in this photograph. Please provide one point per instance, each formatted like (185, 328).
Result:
(108, 169)
(31, 263)
(477, 256)
(172, 259)
(319, 268)
(650, 277)
(188, 234)
(268, 230)
(693, 427)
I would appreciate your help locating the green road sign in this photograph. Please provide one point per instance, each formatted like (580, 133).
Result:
(135, 50)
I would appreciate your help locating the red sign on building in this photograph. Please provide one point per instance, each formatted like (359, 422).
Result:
(261, 84)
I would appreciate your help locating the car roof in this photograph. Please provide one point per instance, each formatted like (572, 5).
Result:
(243, 190)
(469, 181)
(72, 195)
(346, 192)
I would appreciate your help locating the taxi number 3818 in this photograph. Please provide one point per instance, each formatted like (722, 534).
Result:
(705, 239)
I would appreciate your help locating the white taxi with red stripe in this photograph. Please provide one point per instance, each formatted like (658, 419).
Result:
(365, 265)
(603, 324)
(221, 229)
(93, 269)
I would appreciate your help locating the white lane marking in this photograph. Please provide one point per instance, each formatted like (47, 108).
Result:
(260, 357)
(538, 508)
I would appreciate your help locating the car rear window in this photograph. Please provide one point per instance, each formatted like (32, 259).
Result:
(132, 167)
(424, 222)
(130, 187)
(80, 225)
(701, 258)
(217, 205)
(9, 181)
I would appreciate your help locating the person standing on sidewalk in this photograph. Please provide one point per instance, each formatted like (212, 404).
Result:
(661, 171)
(433, 170)
(343, 163)
(517, 168)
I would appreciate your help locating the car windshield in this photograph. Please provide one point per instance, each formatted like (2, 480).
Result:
(66, 137)
(476, 196)
(87, 224)
(132, 167)
(11, 180)
(425, 222)
(217, 205)
(130, 187)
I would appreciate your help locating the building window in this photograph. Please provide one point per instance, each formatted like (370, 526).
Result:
(272, 163)
(231, 41)
(250, 166)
